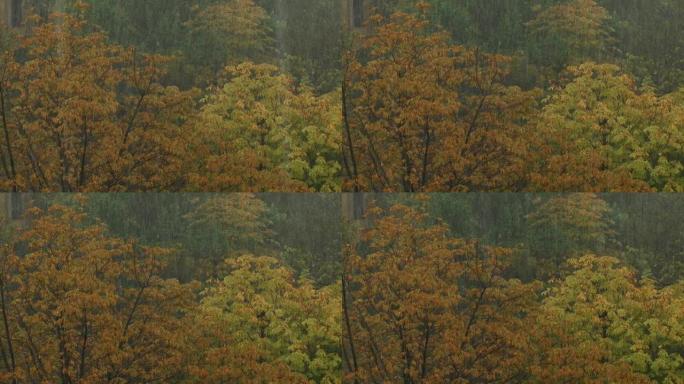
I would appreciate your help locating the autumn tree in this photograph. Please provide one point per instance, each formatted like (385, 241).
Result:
(421, 306)
(80, 306)
(257, 132)
(602, 323)
(422, 114)
(80, 114)
(599, 133)
(260, 324)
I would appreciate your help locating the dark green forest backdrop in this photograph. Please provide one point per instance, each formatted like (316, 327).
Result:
(643, 230)
(642, 35)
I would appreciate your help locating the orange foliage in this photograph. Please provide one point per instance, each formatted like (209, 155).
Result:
(424, 307)
(80, 306)
(421, 306)
(80, 114)
(425, 115)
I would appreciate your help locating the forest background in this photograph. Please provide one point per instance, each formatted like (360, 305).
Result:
(276, 95)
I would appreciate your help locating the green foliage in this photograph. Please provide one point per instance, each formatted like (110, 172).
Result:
(610, 317)
(262, 304)
(617, 129)
(258, 132)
